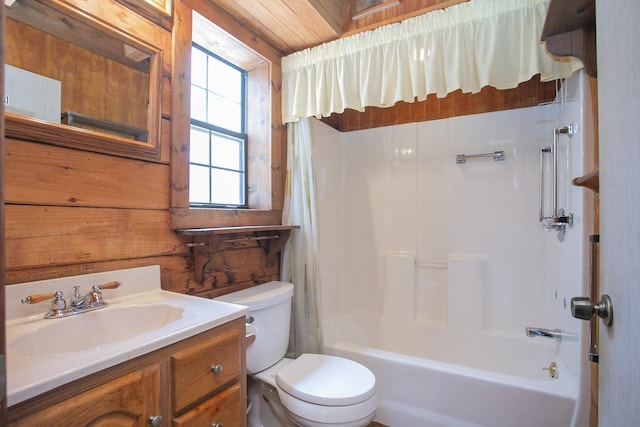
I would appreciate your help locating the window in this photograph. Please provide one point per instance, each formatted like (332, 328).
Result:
(264, 156)
(218, 149)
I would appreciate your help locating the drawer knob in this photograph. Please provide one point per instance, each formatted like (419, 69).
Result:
(155, 420)
(216, 424)
(216, 369)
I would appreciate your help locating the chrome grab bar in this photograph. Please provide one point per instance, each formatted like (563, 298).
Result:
(559, 219)
(496, 156)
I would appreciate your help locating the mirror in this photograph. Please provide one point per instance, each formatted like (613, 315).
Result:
(74, 79)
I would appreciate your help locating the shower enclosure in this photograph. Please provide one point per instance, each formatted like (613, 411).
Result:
(432, 268)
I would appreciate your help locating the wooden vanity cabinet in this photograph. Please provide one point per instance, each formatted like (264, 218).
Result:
(125, 401)
(198, 381)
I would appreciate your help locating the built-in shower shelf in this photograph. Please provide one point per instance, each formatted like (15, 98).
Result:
(590, 181)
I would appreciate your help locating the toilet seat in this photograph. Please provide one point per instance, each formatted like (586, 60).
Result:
(324, 389)
(326, 380)
(321, 415)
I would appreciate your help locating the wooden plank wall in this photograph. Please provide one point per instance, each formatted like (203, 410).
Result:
(70, 211)
(527, 94)
(403, 10)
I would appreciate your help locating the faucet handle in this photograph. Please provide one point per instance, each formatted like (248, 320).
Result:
(36, 298)
(109, 285)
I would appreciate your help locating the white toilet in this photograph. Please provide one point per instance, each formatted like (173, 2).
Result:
(314, 390)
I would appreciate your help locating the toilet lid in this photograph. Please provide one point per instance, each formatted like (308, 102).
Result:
(327, 380)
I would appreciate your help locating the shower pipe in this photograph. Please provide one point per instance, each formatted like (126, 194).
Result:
(560, 218)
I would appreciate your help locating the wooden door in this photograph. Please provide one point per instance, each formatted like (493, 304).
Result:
(619, 123)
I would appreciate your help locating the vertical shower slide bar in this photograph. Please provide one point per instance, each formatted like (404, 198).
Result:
(559, 219)
(541, 194)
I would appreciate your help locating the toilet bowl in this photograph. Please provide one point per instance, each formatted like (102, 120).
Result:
(314, 390)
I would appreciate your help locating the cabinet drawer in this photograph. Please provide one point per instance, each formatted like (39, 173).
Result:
(193, 373)
(224, 408)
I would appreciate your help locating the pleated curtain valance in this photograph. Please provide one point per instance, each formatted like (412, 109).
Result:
(467, 46)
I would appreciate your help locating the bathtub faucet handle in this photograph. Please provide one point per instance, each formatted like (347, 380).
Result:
(556, 334)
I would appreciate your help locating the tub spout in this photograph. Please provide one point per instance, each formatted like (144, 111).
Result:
(556, 334)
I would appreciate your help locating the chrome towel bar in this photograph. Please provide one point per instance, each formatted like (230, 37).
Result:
(496, 155)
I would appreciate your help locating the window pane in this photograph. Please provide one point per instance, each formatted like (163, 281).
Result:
(228, 187)
(217, 139)
(199, 188)
(199, 146)
(227, 152)
(224, 113)
(225, 80)
(198, 103)
(198, 67)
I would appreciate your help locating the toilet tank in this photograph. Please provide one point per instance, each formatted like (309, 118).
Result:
(270, 308)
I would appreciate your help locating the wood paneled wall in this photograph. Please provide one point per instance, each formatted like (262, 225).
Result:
(403, 10)
(527, 94)
(70, 211)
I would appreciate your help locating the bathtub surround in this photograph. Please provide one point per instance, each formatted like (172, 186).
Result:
(431, 270)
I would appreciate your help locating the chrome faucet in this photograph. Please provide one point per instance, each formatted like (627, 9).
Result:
(92, 298)
(556, 334)
(77, 304)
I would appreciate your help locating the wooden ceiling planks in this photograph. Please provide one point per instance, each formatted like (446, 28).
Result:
(294, 25)
(288, 25)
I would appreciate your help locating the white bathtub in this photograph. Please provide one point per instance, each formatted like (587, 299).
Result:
(423, 392)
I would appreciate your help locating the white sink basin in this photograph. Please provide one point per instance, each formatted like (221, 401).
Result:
(87, 331)
(43, 354)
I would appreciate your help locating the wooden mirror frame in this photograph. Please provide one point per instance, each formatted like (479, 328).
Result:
(131, 29)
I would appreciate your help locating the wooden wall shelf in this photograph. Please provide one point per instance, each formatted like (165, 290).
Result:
(590, 181)
(570, 30)
(208, 241)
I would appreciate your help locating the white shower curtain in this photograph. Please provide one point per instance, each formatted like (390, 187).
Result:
(299, 259)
